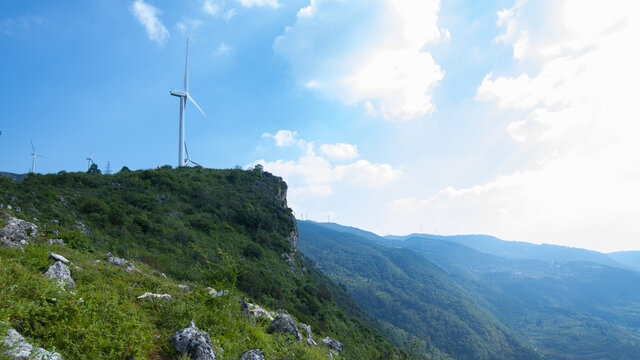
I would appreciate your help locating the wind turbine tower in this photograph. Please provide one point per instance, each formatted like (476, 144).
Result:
(184, 95)
(34, 154)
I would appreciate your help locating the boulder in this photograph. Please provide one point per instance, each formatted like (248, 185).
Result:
(333, 344)
(284, 323)
(252, 355)
(184, 288)
(148, 295)
(311, 342)
(19, 348)
(254, 311)
(193, 343)
(17, 232)
(57, 257)
(61, 273)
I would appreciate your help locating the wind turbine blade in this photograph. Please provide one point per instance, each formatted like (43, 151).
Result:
(196, 104)
(32, 147)
(42, 156)
(193, 162)
(186, 69)
(186, 149)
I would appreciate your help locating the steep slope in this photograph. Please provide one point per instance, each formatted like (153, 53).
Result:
(230, 229)
(412, 295)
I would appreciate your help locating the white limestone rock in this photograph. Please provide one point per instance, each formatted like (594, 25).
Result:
(193, 343)
(61, 273)
(19, 348)
(148, 295)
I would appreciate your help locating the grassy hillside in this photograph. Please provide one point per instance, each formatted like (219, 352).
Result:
(229, 229)
(412, 295)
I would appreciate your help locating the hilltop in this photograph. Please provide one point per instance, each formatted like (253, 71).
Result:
(226, 229)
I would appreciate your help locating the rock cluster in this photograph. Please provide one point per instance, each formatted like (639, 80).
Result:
(19, 348)
(333, 344)
(216, 293)
(121, 262)
(57, 257)
(284, 323)
(193, 343)
(61, 273)
(309, 340)
(16, 232)
(252, 355)
(254, 311)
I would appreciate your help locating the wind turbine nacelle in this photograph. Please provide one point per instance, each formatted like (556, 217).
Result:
(178, 93)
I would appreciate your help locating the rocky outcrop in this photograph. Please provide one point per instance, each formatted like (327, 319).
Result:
(57, 257)
(152, 296)
(284, 323)
(193, 343)
(254, 311)
(61, 273)
(333, 344)
(184, 288)
(84, 229)
(309, 340)
(121, 262)
(252, 355)
(16, 232)
(19, 348)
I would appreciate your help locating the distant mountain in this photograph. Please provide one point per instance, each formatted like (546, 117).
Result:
(630, 259)
(519, 250)
(566, 309)
(411, 294)
(13, 177)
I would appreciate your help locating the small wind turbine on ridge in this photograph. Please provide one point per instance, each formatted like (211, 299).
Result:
(34, 154)
(184, 95)
(90, 160)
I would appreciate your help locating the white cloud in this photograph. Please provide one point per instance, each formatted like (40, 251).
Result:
(147, 15)
(339, 151)
(252, 3)
(368, 52)
(218, 9)
(188, 26)
(580, 123)
(312, 175)
(285, 138)
(222, 49)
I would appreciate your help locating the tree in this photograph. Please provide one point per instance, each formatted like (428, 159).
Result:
(93, 169)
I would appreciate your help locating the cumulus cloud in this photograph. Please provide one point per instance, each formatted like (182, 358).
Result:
(147, 15)
(188, 26)
(368, 52)
(339, 151)
(313, 175)
(580, 122)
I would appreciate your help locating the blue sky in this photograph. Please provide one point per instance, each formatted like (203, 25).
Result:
(510, 118)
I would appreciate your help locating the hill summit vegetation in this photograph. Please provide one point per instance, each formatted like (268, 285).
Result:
(226, 229)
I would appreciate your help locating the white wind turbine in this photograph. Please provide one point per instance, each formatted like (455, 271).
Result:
(184, 95)
(90, 160)
(34, 154)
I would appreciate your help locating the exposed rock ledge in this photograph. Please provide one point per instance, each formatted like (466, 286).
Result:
(19, 348)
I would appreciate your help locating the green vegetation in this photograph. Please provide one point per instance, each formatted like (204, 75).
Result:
(223, 228)
(412, 296)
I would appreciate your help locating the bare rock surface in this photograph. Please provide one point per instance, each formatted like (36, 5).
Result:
(284, 323)
(184, 288)
(19, 348)
(193, 343)
(148, 295)
(61, 273)
(333, 344)
(57, 257)
(16, 232)
(255, 311)
(216, 293)
(252, 355)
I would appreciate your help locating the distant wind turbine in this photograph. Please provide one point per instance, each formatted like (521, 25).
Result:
(34, 154)
(90, 160)
(184, 95)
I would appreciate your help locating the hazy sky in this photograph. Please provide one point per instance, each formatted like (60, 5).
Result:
(517, 119)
